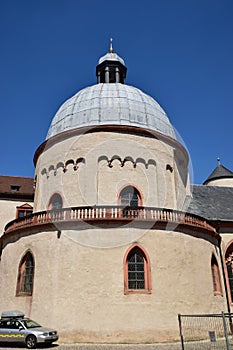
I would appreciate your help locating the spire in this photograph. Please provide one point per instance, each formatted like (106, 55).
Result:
(111, 48)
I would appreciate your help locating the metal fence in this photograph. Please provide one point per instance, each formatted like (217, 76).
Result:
(206, 332)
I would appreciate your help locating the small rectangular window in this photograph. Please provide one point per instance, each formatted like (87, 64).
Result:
(15, 188)
(24, 210)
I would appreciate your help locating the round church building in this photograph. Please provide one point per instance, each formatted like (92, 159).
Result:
(111, 253)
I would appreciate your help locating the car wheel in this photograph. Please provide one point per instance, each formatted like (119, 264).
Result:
(31, 341)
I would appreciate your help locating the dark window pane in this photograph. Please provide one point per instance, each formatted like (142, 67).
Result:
(140, 267)
(140, 285)
(140, 276)
(132, 285)
(56, 201)
(132, 276)
(21, 213)
(15, 188)
(131, 267)
(136, 271)
(129, 197)
(230, 278)
(26, 275)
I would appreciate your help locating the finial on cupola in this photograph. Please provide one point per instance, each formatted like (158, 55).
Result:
(218, 159)
(111, 48)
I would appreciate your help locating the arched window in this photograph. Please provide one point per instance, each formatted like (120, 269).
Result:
(137, 271)
(229, 265)
(216, 276)
(25, 275)
(130, 196)
(130, 199)
(55, 201)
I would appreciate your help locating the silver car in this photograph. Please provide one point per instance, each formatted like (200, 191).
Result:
(14, 327)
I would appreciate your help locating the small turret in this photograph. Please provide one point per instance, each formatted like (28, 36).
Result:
(220, 176)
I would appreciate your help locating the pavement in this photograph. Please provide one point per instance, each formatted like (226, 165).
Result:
(82, 346)
(156, 346)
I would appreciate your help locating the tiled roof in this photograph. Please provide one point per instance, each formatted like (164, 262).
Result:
(212, 202)
(16, 187)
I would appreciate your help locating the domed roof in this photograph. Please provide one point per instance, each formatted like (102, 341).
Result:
(110, 56)
(111, 104)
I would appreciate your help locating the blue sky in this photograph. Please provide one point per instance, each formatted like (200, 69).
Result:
(178, 51)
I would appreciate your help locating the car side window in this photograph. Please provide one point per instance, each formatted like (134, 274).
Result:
(9, 324)
(14, 324)
(3, 324)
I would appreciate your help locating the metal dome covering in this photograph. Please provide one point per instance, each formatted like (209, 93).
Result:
(111, 104)
(110, 56)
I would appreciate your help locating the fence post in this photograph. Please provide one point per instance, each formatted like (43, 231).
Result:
(181, 334)
(225, 331)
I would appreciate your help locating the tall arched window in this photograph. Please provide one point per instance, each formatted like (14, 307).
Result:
(137, 271)
(216, 276)
(130, 196)
(25, 275)
(55, 201)
(229, 265)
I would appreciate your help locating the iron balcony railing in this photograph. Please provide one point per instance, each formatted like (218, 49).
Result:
(109, 213)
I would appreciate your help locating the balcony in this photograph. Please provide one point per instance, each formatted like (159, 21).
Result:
(110, 215)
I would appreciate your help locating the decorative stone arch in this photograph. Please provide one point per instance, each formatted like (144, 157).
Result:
(169, 167)
(137, 271)
(128, 159)
(44, 172)
(115, 157)
(58, 166)
(67, 163)
(51, 168)
(78, 161)
(25, 276)
(151, 162)
(140, 160)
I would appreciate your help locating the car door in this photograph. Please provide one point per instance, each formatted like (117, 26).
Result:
(5, 331)
(15, 334)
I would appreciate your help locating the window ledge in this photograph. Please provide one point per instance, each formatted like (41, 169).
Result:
(218, 293)
(24, 294)
(137, 291)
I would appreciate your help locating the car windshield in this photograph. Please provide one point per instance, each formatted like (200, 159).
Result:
(30, 324)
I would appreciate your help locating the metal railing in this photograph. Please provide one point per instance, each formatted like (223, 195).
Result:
(206, 332)
(102, 213)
